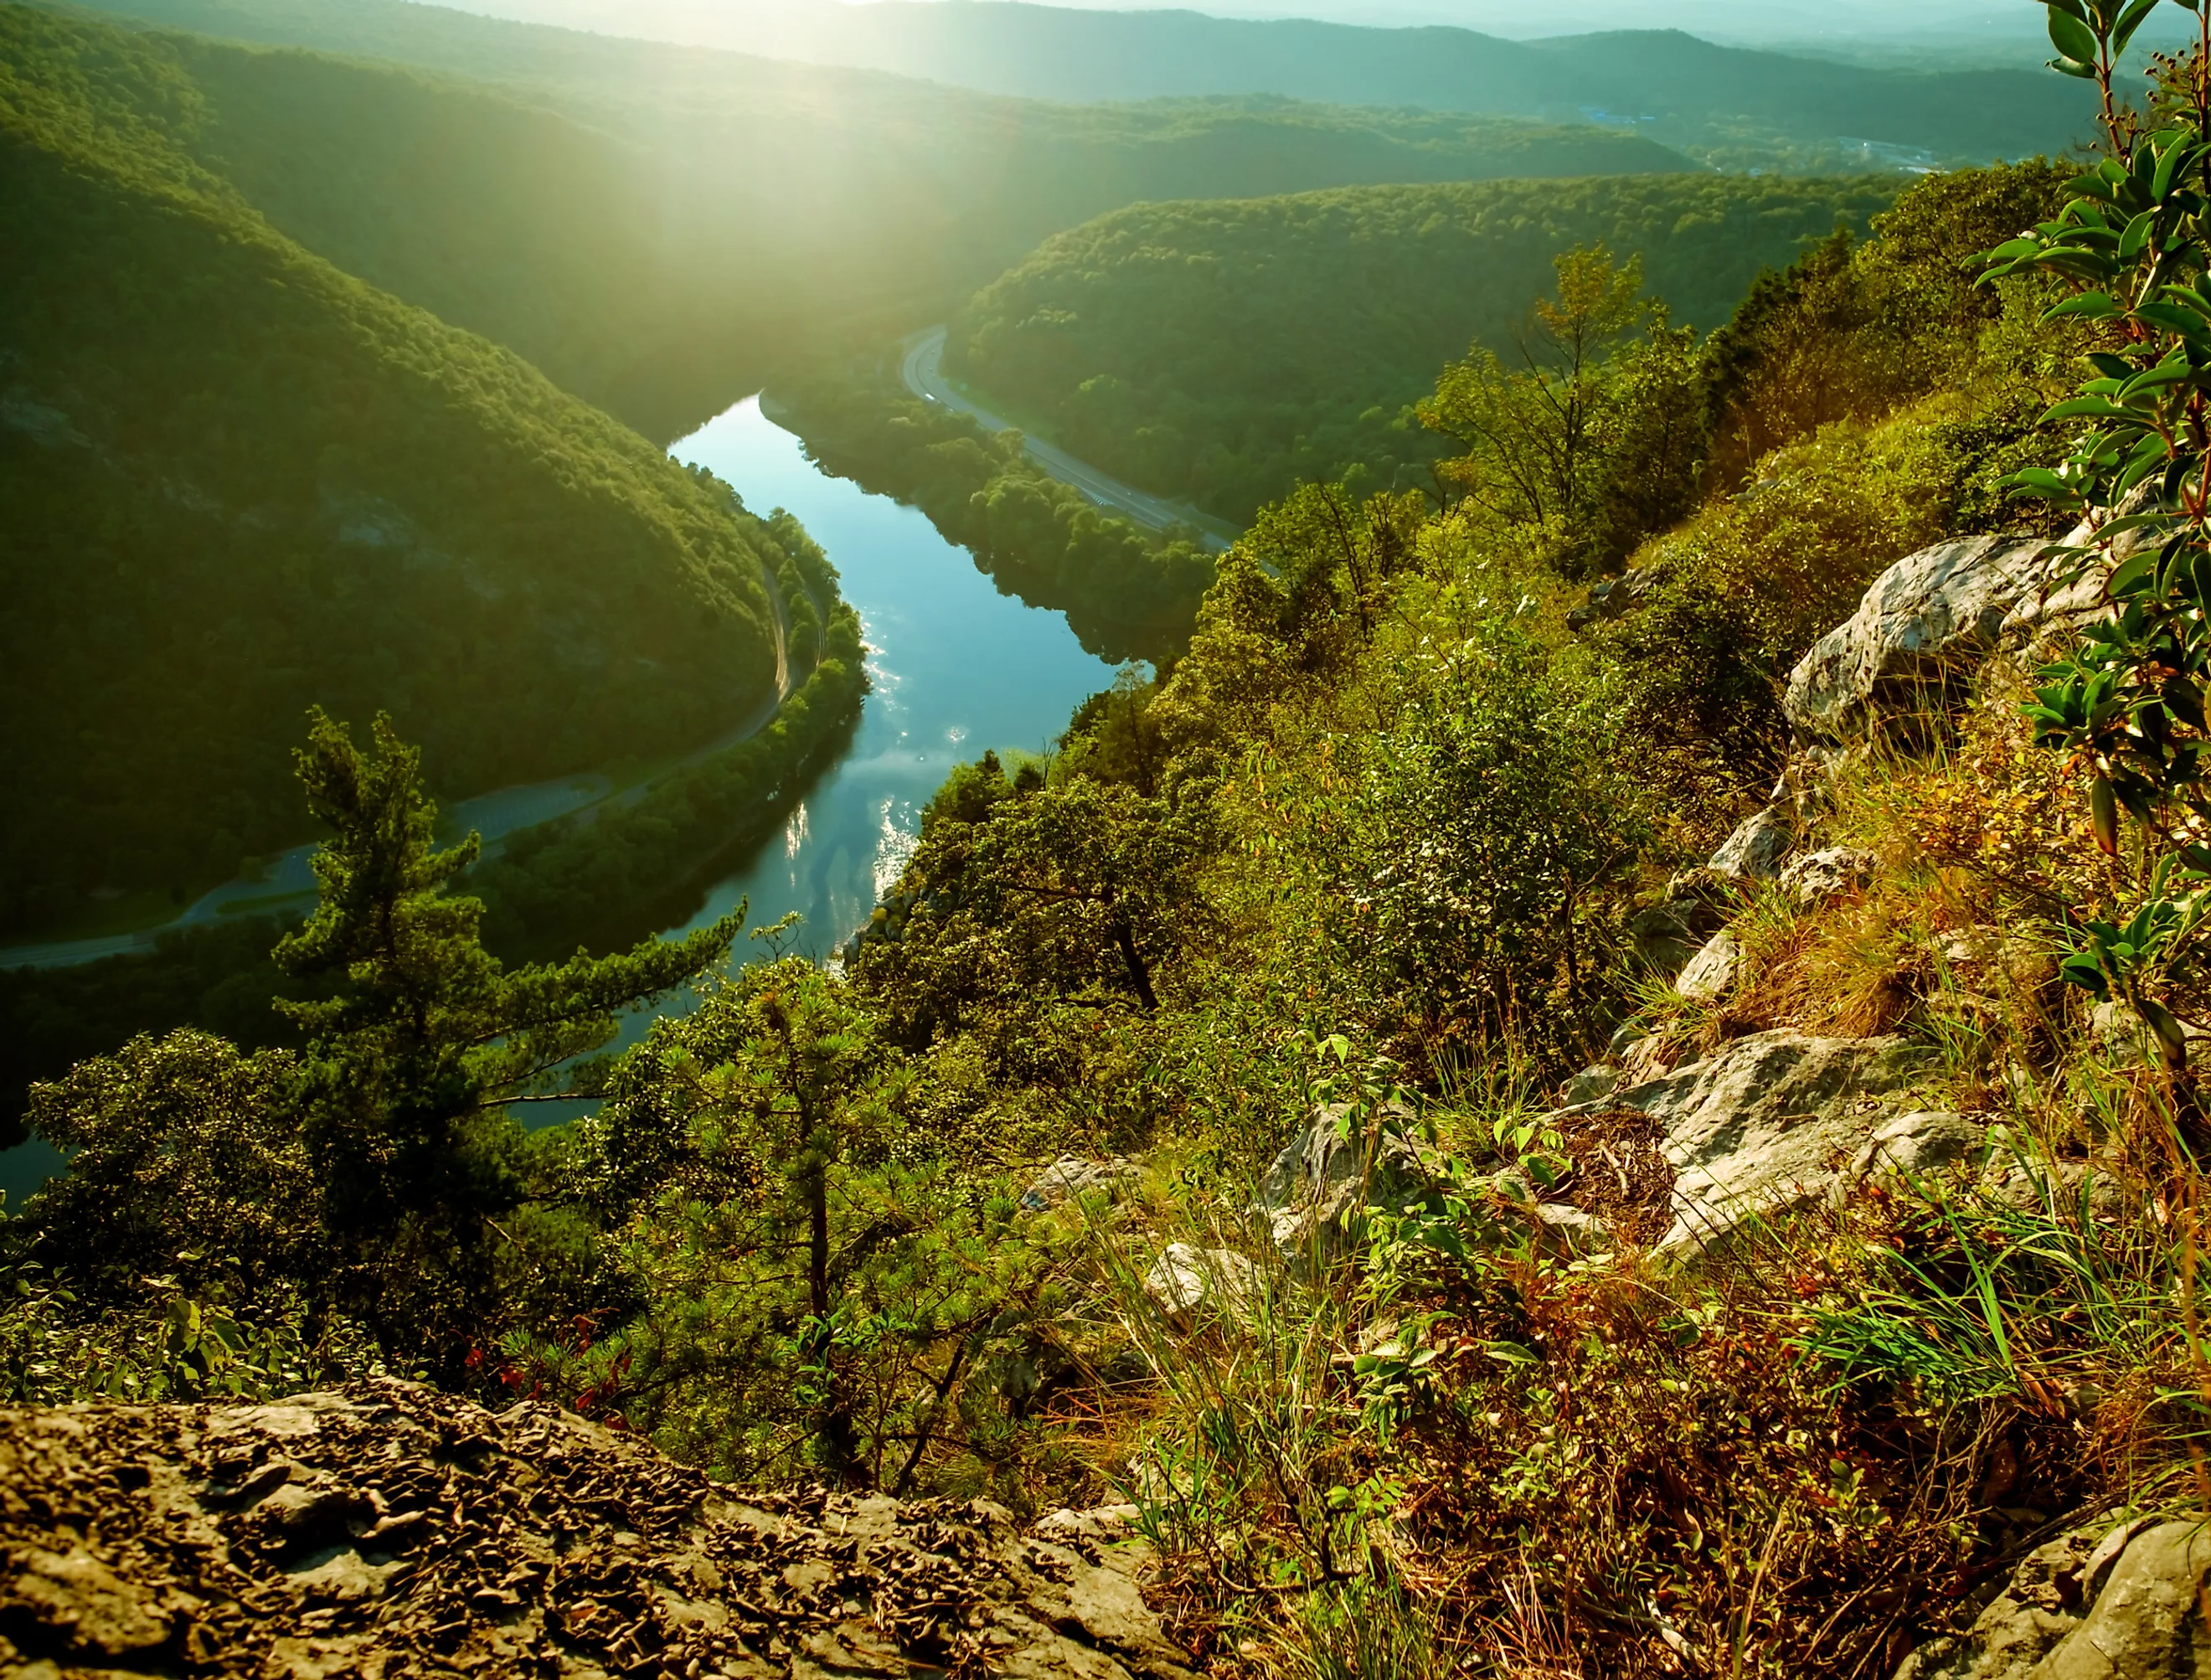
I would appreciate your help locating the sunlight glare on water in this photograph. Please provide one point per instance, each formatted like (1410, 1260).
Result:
(956, 668)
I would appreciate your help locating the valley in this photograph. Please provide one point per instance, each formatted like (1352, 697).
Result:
(972, 837)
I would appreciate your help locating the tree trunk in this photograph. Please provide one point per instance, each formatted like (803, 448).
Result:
(1139, 975)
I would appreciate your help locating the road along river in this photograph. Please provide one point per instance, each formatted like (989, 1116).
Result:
(957, 667)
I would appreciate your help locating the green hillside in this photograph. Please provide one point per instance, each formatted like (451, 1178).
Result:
(659, 228)
(1221, 351)
(235, 481)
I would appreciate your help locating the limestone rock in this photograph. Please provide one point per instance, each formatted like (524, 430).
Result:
(2072, 594)
(2123, 1034)
(1918, 1143)
(1186, 1279)
(164, 1539)
(1321, 1177)
(1926, 622)
(1754, 851)
(1710, 973)
(2067, 1188)
(2121, 1607)
(1763, 1123)
(1072, 1175)
(1592, 1084)
(1613, 597)
(1819, 876)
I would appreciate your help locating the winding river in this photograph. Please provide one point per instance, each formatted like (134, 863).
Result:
(957, 668)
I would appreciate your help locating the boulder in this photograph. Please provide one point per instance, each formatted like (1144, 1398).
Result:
(1768, 1122)
(526, 1543)
(1186, 1279)
(1754, 851)
(2073, 593)
(1072, 1175)
(1819, 876)
(1918, 1143)
(1667, 934)
(1710, 973)
(2107, 1602)
(1590, 1085)
(1928, 620)
(2063, 1189)
(1613, 597)
(2125, 1035)
(1322, 1178)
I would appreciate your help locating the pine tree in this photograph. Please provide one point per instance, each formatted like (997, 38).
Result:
(421, 1041)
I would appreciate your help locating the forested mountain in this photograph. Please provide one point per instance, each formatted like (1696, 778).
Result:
(658, 228)
(235, 481)
(1221, 351)
(1728, 101)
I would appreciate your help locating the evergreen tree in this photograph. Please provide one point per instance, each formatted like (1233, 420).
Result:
(424, 1040)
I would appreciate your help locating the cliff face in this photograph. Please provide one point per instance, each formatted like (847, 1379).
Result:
(387, 1531)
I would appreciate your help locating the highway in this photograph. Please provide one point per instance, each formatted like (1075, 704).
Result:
(924, 372)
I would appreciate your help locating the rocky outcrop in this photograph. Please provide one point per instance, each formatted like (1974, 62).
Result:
(1710, 975)
(2107, 1602)
(1323, 1177)
(1074, 1176)
(1613, 597)
(1928, 620)
(1186, 1281)
(1754, 851)
(1772, 1121)
(386, 1531)
(1819, 876)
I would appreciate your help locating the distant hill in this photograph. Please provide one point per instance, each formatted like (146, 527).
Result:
(235, 480)
(1221, 351)
(1735, 104)
(655, 226)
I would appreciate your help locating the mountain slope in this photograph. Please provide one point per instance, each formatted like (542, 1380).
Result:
(1221, 350)
(235, 481)
(659, 228)
(1680, 89)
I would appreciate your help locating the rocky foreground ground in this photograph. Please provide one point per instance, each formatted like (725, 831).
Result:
(387, 1531)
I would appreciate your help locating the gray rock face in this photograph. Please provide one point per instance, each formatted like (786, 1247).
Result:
(370, 1528)
(2123, 1606)
(1767, 1122)
(1186, 1280)
(1819, 876)
(1321, 1177)
(1072, 1175)
(1710, 973)
(1929, 620)
(1615, 597)
(1754, 851)
(1913, 1145)
(1588, 1086)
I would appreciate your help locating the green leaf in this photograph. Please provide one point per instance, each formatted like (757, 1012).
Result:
(2130, 21)
(2096, 306)
(2184, 322)
(2080, 408)
(2072, 38)
(2137, 235)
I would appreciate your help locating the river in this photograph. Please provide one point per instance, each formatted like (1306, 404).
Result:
(957, 667)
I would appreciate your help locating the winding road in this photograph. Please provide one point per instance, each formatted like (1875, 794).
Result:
(922, 371)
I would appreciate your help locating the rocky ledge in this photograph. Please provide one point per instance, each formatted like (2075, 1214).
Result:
(387, 1531)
